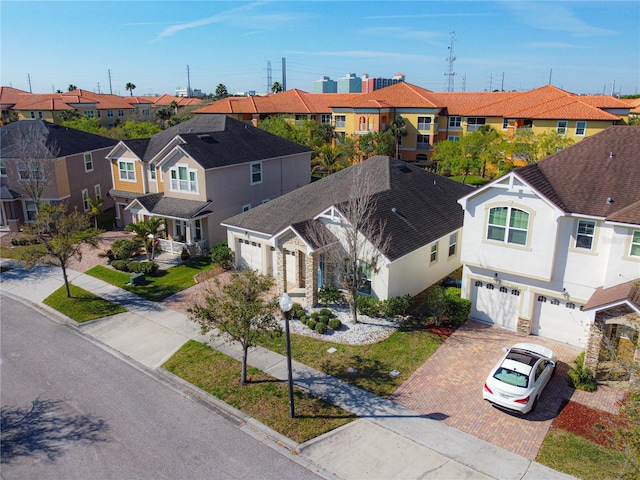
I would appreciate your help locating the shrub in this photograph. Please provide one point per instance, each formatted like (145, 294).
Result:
(326, 312)
(122, 265)
(323, 319)
(148, 268)
(335, 324)
(303, 319)
(125, 248)
(582, 377)
(321, 327)
(368, 306)
(295, 306)
(396, 306)
(311, 324)
(22, 242)
(315, 315)
(222, 256)
(457, 309)
(300, 312)
(330, 294)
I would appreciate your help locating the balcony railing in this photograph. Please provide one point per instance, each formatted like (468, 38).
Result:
(175, 248)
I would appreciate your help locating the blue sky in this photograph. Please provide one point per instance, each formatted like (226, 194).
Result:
(584, 46)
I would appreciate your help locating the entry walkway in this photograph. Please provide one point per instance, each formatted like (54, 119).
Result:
(389, 441)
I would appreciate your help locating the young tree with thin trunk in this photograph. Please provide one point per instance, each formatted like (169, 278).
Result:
(239, 310)
(147, 231)
(61, 236)
(355, 241)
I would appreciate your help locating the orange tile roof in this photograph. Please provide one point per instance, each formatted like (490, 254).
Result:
(398, 95)
(9, 95)
(634, 103)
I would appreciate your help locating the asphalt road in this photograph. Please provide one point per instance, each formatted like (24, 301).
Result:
(71, 410)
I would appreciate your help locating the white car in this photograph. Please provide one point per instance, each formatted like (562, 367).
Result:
(518, 379)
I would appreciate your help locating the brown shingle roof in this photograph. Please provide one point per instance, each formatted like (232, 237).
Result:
(599, 176)
(603, 297)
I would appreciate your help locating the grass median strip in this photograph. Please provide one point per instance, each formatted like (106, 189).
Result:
(263, 398)
(82, 306)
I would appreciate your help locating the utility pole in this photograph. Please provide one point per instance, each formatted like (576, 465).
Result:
(269, 76)
(29, 79)
(502, 84)
(99, 88)
(464, 82)
(613, 86)
(550, 72)
(284, 74)
(490, 82)
(450, 59)
(110, 87)
(188, 83)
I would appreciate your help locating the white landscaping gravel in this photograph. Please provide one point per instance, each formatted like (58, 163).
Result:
(367, 330)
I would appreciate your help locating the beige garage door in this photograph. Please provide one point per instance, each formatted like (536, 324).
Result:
(560, 320)
(250, 255)
(493, 303)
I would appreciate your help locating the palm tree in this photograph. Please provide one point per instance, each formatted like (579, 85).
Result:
(72, 87)
(131, 87)
(276, 87)
(328, 160)
(147, 231)
(221, 91)
(398, 130)
(163, 114)
(174, 105)
(94, 209)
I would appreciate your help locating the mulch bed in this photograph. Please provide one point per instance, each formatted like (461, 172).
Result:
(444, 330)
(587, 422)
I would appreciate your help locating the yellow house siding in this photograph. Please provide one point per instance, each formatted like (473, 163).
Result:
(127, 186)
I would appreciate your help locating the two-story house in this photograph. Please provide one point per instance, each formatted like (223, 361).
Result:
(415, 210)
(67, 164)
(553, 248)
(199, 172)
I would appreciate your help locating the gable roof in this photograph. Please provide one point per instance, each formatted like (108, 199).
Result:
(217, 141)
(58, 141)
(598, 176)
(398, 95)
(605, 297)
(417, 206)
(9, 96)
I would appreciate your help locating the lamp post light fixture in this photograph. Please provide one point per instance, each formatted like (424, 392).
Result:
(285, 304)
(152, 237)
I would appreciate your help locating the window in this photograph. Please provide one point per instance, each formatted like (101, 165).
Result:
(36, 172)
(581, 129)
(434, 253)
(453, 138)
(246, 207)
(197, 229)
(508, 224)
(181, 229)
(85, 200)
(424, 123)
(109, 113)
(30, 207)
(40, 116)
(3, 167)
(364, 270)
(99, 114)
(300, 118)
(256, 173)
(89, 113)
(455, 122)
(88, 162)
(98, 191)
(32, 114)
(474, 123)
(341, 121)
(127, 171)
(152, 171)
(325, 119)
(635, 244)
(453, 240)
(422, 142)
(561, 129)
(584, 234)
(183, 179)
(505, 123)
(121, 113)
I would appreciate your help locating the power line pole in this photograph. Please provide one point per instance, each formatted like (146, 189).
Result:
(188, 83)
(450, 59)
(269, 76)
(99, 88)
(284, 74)
(502, 85)
(110, 86)
(29, 79)
(464, 82)
(550, 72)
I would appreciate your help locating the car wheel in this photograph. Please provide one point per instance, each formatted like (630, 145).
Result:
(553, 372)
(535, 404)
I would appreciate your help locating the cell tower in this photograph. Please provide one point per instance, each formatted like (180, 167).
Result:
(269, 82)
(450, 59)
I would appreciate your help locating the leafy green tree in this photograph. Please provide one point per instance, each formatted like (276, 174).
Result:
(144, 229)
(377, 143)
(239, 310)
(276, 87)
(221, 91)
(398, 130)
(68, 115)
(348, 147)
(278, 125)
(327, 160)
(531, 147)
(94, 209)
(130, 87)
(132, 129)
(86, 124)
(72, 87)
(164, 114)
(62, 235)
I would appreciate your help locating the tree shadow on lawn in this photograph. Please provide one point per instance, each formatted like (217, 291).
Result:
(44, 428)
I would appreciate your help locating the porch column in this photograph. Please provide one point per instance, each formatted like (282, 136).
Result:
(281, 258)
(311, 279)
(594, 344)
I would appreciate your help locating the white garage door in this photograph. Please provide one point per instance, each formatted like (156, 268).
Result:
(560, 320)
(495, 304)
(250, 255)
(273, 262)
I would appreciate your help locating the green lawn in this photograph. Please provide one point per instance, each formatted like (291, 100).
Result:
(160, 286)
(577, 456)
(82, 306)
(471, 180)
(264, 398)
(404, 351)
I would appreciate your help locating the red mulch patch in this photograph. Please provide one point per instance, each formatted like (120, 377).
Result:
(587, 422)
(444, 330)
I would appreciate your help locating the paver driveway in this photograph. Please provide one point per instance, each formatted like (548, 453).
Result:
(450, 385)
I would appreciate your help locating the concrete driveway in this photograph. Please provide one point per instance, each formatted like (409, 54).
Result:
(451, 382)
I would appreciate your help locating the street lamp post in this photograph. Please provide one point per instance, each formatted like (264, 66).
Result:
(285, 304)
(152, 237)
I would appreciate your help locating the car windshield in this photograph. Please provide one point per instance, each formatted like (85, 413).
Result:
(511, 377)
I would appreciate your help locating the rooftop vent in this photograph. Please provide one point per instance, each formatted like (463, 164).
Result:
(402, 168)
(611, 154)
(207, 138)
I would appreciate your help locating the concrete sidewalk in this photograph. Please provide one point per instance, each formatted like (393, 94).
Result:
(389, 441)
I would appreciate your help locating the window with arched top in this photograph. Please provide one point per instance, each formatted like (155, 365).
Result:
(363, 123)
(508, 224)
